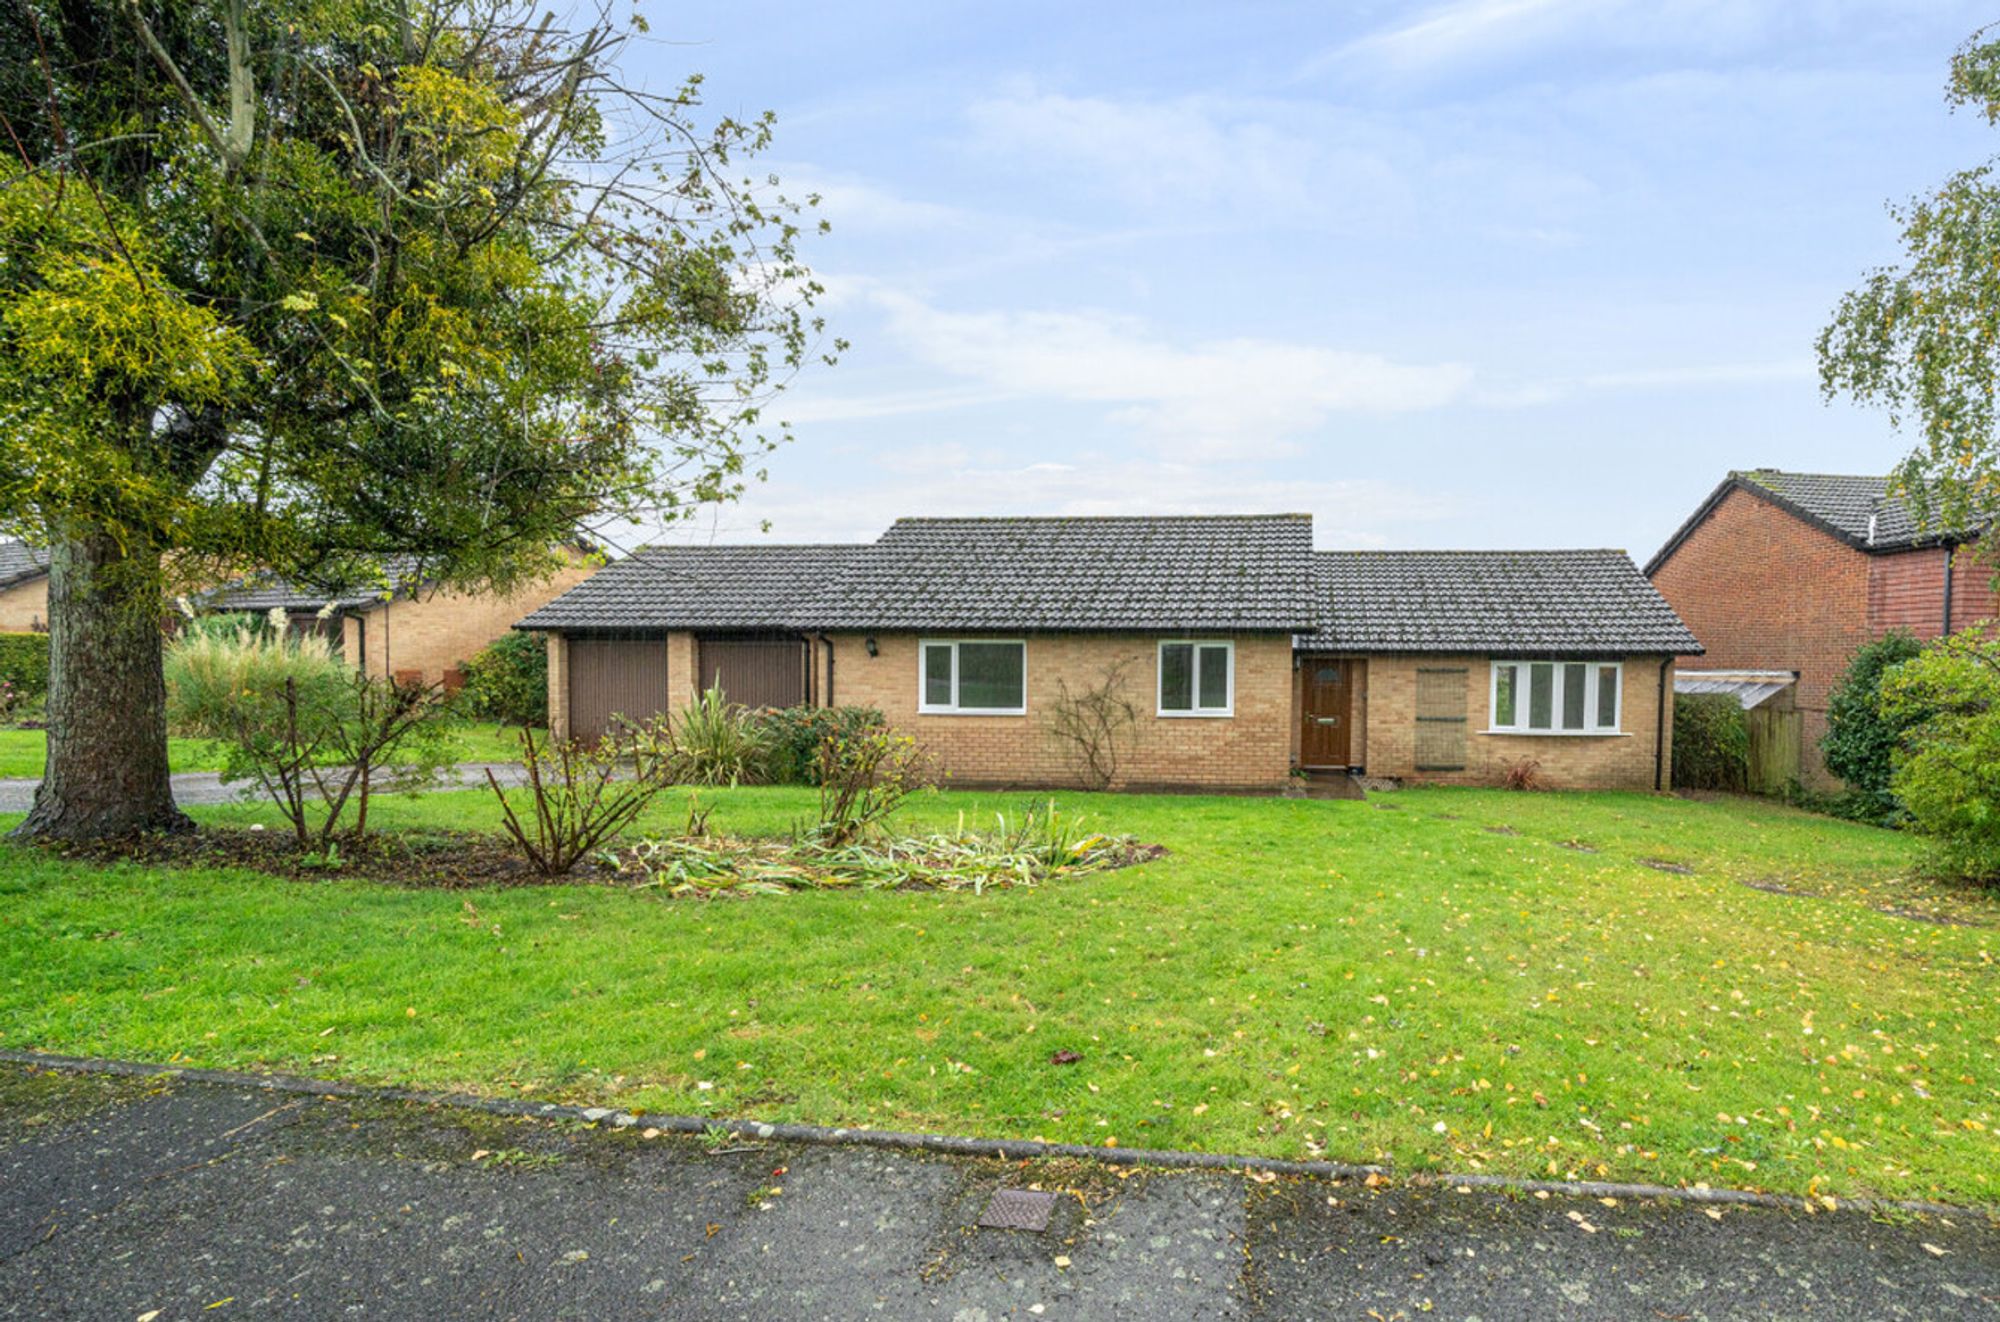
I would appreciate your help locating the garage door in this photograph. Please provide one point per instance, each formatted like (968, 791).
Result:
(614, 682)
(756, 672)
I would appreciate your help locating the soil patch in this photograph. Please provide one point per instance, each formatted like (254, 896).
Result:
(1914, 915)
(1665, 865)
(460, 860)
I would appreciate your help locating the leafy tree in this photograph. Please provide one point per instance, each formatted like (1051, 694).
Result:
(1948, 772)
(1861, 736)
(1919, 339)
(305, 283)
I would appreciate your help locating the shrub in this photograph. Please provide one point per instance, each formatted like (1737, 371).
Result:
(792, 738)
(223, 673)
(1523, 775)
(1861, 739)
(508, 681)
(1092, 725)
(578, 795)
(24, 667)
(1946, 701)
(715, 742)
(313, 735)
(863, 779)
(1711, 743)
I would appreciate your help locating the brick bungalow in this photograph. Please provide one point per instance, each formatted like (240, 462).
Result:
(1786, 574)
(1247, 654)
(407, 626)
(24, 588)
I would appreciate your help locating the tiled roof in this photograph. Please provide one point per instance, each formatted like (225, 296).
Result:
(700, 587)
(1514, 602)
(1842, 504)
(20, 562)
(263, 592)
(1250, 573)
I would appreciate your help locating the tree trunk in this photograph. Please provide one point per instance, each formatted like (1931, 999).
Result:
(107, 704)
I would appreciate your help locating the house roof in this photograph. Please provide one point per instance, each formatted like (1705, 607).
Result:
(700, 587)
(264, 591)
(1859, 510)
(1577, 603)
(1239, 572)
(20, 562)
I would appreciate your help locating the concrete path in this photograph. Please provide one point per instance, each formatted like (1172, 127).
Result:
(155, 1200)
(198, 787)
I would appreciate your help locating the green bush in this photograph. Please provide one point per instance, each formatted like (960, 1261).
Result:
(793, 735)
(716, 742)
(1711, 743)
(227, 672)
(24, 667)
(509, 681)
(1947, 773)
(1861, 738)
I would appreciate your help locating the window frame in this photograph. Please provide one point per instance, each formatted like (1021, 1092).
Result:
(926, 708)
(1195, 711)
(1593, 680)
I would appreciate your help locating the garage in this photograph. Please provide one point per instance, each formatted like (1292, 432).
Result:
(754, 670)
(615, 682)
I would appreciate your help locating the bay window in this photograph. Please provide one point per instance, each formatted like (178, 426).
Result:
(1556, 697)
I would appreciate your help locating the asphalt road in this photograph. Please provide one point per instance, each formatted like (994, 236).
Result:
(154, 1200)
(198, 787)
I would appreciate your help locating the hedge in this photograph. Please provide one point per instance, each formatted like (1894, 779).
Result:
(24, 663)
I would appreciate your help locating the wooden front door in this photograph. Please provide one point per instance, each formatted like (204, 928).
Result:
(1328, 712)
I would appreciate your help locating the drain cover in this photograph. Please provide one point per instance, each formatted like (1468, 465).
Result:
(1018, 1209)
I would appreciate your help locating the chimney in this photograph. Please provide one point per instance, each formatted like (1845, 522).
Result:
(1871, 529)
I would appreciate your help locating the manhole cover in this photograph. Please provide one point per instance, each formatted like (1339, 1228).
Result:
(1018, 1209)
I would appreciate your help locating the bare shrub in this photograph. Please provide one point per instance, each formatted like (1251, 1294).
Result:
(1093, 725)
(578, 796)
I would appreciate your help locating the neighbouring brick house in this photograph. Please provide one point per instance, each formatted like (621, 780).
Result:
(1247, 654)
(1782, 572)
(24, 588)
(406, 627)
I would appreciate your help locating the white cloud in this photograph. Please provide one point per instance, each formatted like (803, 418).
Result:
(854, 205)
(1236, 395)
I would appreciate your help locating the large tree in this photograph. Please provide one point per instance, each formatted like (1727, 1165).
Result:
(305, 283)
(1922, 339)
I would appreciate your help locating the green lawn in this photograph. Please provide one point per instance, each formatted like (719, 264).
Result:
(1298, 978)
(23, 752)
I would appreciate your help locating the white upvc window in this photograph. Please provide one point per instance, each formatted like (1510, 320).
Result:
(1556, 697)
(1197, 677)
(972, 676)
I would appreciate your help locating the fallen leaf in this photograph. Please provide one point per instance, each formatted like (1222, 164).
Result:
(1065, 1057)
(1061, 1261)
(1929, 1248)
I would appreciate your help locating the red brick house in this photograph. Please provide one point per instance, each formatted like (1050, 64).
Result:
(1791, 572)
(1246, 654)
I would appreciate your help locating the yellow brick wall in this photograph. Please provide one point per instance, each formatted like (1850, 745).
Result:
(1249, 750)
(438, 632)
(558, 686)
(25, 606)
(1620, 761)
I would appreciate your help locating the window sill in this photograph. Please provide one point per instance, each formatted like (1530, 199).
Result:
(972, 711)
(1563, 734)
(1195, 715)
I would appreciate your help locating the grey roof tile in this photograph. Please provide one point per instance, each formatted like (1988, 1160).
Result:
(263, 592)
(700, 587)
(1250, 573)
(1857, 509)
(1514, 602)
(20, 562)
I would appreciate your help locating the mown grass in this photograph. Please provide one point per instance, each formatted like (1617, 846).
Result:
(23, 753)
(1390, 981)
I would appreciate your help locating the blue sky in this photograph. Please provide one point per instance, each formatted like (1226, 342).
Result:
(1485, 273)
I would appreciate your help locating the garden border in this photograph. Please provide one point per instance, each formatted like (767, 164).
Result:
(948, 1145)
